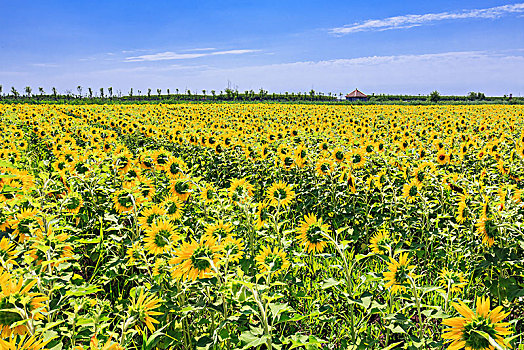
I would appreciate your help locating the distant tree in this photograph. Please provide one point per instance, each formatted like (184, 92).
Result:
(90, 92)
(168, 92)
(204, 93)
(28, 91)
(102, 92)
(434, 96)
(213, 92)
(177, 91)
(139, 92)
(188, 92)
(79, 89)
(131, 92)
(159, 92)
(110, 91)
(55, 93)
(1, 87)
(148, 92)
(41, 91)
(14, 92)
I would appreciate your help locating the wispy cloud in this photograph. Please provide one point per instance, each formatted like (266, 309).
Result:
(408, 21)
(161, 56)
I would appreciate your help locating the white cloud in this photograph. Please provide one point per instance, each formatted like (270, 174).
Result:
(161, 56)
(408, 21)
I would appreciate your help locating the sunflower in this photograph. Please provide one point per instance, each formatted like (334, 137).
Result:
(161, 158)
(145, 188)
(280, 193)
(5, 219)
(57, 249)
(262, 214)
(487, 229)
(23, 223)
(347, 177)
(324, 166)
(73, 202)
(142, 308)
(357, 158)
(381, 242)
(339, 155)
(461, 209)
(123, 199)
(133, 253)
(453, 280)
(123, 161)
(474, 328)
(300, 154)
(7, 253)
(442, 157)
(150, 215)
(23, 342)
(173, 207)
(232, 249)
(399, 273)
(273, 261)
(208, 194)
(181, 187)
(286, 161)
(312, 232)
(193, 259)
(175, 167)
(160, 236)
(411, 190)
(146, 160)
(218, 230)
(240, 190)
(15, 293)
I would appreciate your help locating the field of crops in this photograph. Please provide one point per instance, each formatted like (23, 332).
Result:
(261, 226)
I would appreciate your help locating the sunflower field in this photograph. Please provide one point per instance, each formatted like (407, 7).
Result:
(261, 226)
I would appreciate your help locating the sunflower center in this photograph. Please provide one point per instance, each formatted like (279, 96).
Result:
(288, 161)
(162, 238)
(174, 169)
(274, 261)
(339, 155)
(151, 218)
(125, 200)
(471, 333)
(181, 187)
(199, 258)
(413, 191)
(314, 234)
(73, 203)
(357, 158)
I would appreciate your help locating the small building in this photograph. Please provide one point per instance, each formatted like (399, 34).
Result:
(356, 95)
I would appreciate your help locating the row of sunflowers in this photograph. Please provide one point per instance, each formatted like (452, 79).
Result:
(261, 226)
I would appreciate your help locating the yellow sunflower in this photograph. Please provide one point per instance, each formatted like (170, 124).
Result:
(133, 253)
(13, 291)
(173, 207)
(142, 308)
(24, 222)
(453, 280)
(381, 242)
(442, 157)
(148, 216)
(262, 214)
(487, 230)
(240, 190)
(208, 194)
(123, 199)
(411, 190)
(357, 158)
(471, 331)
(397, 278)
(233, 249)
(175, 167)
(280, 193)
(219, 230)
(192, 259)
(160, 236)
(324, 166)
(311, 233)
(274, 261)
(73, 202)
(7, 253)
(23, 342)
(181, 186)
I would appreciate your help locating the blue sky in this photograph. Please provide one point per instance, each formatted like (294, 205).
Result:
(411, 47)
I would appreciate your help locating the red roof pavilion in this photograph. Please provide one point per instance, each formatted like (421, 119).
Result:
(356, 94)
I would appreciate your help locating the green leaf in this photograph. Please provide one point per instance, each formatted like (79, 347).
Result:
(81, 291)
(330, 282)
